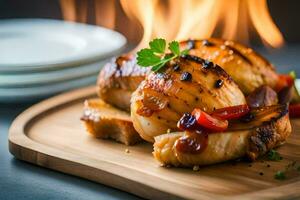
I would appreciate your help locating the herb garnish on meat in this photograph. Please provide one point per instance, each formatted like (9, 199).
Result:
(156, 57)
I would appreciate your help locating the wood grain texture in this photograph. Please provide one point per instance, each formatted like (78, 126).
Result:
(51, 135)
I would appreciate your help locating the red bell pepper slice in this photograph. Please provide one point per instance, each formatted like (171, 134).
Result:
(209, 122)
(232, 112)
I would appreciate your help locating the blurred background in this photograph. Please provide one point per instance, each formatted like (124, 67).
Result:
(284, 13)
(268, 26)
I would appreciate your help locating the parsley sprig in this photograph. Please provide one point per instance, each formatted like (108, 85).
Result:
(156, 57)
(274, 155)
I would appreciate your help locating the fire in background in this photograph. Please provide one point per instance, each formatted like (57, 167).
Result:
(142, 20)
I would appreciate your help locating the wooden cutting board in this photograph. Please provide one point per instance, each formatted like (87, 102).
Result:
(51, 135)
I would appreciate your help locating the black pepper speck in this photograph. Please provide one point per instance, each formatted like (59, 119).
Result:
(186, 76)
(207, 64)
(219, 83)
(261, 173)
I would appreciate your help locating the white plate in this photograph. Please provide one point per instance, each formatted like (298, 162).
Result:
(49, 77)
(35, 44)
(14, 95)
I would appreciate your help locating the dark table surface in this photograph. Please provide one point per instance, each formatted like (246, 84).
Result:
(21, 180)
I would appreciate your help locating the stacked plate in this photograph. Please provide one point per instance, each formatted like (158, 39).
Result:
(41, 57)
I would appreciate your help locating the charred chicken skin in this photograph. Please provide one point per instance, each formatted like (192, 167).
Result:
(188, 82)
(247, 68)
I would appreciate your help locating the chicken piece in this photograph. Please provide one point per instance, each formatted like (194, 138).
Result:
(118, 79)
(188, 82)
(269, 128)
(104, 121)
(247, 68)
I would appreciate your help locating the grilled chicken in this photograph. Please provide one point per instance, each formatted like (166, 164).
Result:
(118, 79)
(188, 82)
(247, 68)
(104, 121)
(268, 129)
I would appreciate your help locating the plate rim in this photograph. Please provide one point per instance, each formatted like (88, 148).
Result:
(56, 89)
(10, 68)
(93, 69)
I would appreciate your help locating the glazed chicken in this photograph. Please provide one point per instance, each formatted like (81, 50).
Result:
(119, 78)
(187, 83)
(269, 128)
(247, 68)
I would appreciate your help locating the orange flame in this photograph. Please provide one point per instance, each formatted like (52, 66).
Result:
(182, 19)
(264, 24)
(200, 19)
(69, 9)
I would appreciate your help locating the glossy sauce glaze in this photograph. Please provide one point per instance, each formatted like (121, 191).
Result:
(194, 142)
(196, 138)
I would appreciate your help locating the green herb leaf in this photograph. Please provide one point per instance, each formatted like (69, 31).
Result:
(279, 175)
(298, 168)
(185, 52)
(158, 45)
(274, 155)
(146, 58)
(156, 57)
(174, 48)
